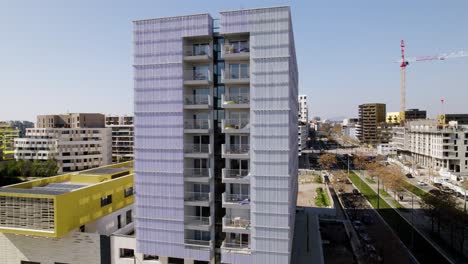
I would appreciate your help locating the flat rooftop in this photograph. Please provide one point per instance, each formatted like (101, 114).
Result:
(66, 183)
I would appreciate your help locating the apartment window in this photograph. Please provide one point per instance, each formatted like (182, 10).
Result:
(128, 217)
(82, 228)
(106, 200)
(175, 260)
(150, 257)
(128, 192)
(200, 262)
(126, 253)
(60, 263)
(29, 262)
(119, 222)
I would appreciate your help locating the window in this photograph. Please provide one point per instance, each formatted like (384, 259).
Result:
(150, 257)
(29, 262)
(200, 262)
(128, 192)
(82, 228)
(126, 253)
(128, 217)
(119, 222)
(106, 200)
(175, 261)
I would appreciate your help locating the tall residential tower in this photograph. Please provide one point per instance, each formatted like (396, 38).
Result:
(216, 137)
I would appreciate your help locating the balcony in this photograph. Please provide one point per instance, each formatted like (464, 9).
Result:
(197, 175)
(198, 243)
(235, 101)
(235, 151)
(239, 125)
(236, 225)
(198, 223)
(199, 101)
(197, 150)
(197, 77)
(198, 53)
(240, 75)
(197, 198)
(235, 245)
(235, 176)
(197, 126)
(236, 51)
(236, 201)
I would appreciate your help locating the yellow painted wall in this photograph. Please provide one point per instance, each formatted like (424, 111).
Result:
(77, 208)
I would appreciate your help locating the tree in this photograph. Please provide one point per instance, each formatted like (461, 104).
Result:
(326, 161)
(360, 161)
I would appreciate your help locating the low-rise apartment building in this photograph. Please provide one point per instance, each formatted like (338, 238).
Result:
(122, 137)
(67, 218)
(75, 141)
(432, 145)
(7, 137)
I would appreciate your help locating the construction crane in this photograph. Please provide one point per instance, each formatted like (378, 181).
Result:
(404, 62)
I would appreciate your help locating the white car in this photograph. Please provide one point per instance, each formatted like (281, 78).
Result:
(421, 183)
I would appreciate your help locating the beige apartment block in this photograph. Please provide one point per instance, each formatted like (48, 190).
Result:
(74, 120)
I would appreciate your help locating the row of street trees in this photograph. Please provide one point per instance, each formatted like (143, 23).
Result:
(14, 171)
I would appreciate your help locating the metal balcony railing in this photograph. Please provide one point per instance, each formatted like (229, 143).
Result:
(197, 172)
(239, 123)
(197, 75)
(197, 148)
(237, 98)
(232, 244)
(197, 196)
(235, 173)
(197, 124)
(201, 99)
(237, 148)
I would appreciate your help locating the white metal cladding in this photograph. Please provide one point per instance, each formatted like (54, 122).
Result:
(158, 88)
(273, 116)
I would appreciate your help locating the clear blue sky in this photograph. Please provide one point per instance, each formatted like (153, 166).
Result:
(58, 56)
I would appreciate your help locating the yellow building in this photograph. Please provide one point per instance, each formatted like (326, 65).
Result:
(54, 206)
(393, 117)
(7, 136)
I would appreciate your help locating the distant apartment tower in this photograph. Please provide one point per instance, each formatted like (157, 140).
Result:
(371, 128)
(122, 137)
(348, 127)
(7, 137)
(216, 137)
(68, 140)
(432, 145)
(302, 137)
(303, 109)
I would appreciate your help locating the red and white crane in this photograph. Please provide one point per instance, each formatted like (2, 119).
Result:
(404, 62)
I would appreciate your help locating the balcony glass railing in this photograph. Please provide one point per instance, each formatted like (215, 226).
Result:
(197, 124)
(197, 220)
(239, 123)
(236, 73)
(236, 47)
(197, 50)
(233, 244)
(237, 198)
(197, 242)
(236, 222)
(197, 75)
(197, 148)
(197, 196)
(237, 99)
(197, 172)
(237, 148)
(235, 173)
(199, 99)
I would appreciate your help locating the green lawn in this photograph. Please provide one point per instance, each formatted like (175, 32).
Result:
(410, 187)
(384, 193)
(370, 180)
(322, 199)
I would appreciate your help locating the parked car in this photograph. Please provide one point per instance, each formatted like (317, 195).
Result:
(356, 191)
(435, 192)
(409, 175)
(438, 185)
(421, 183)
